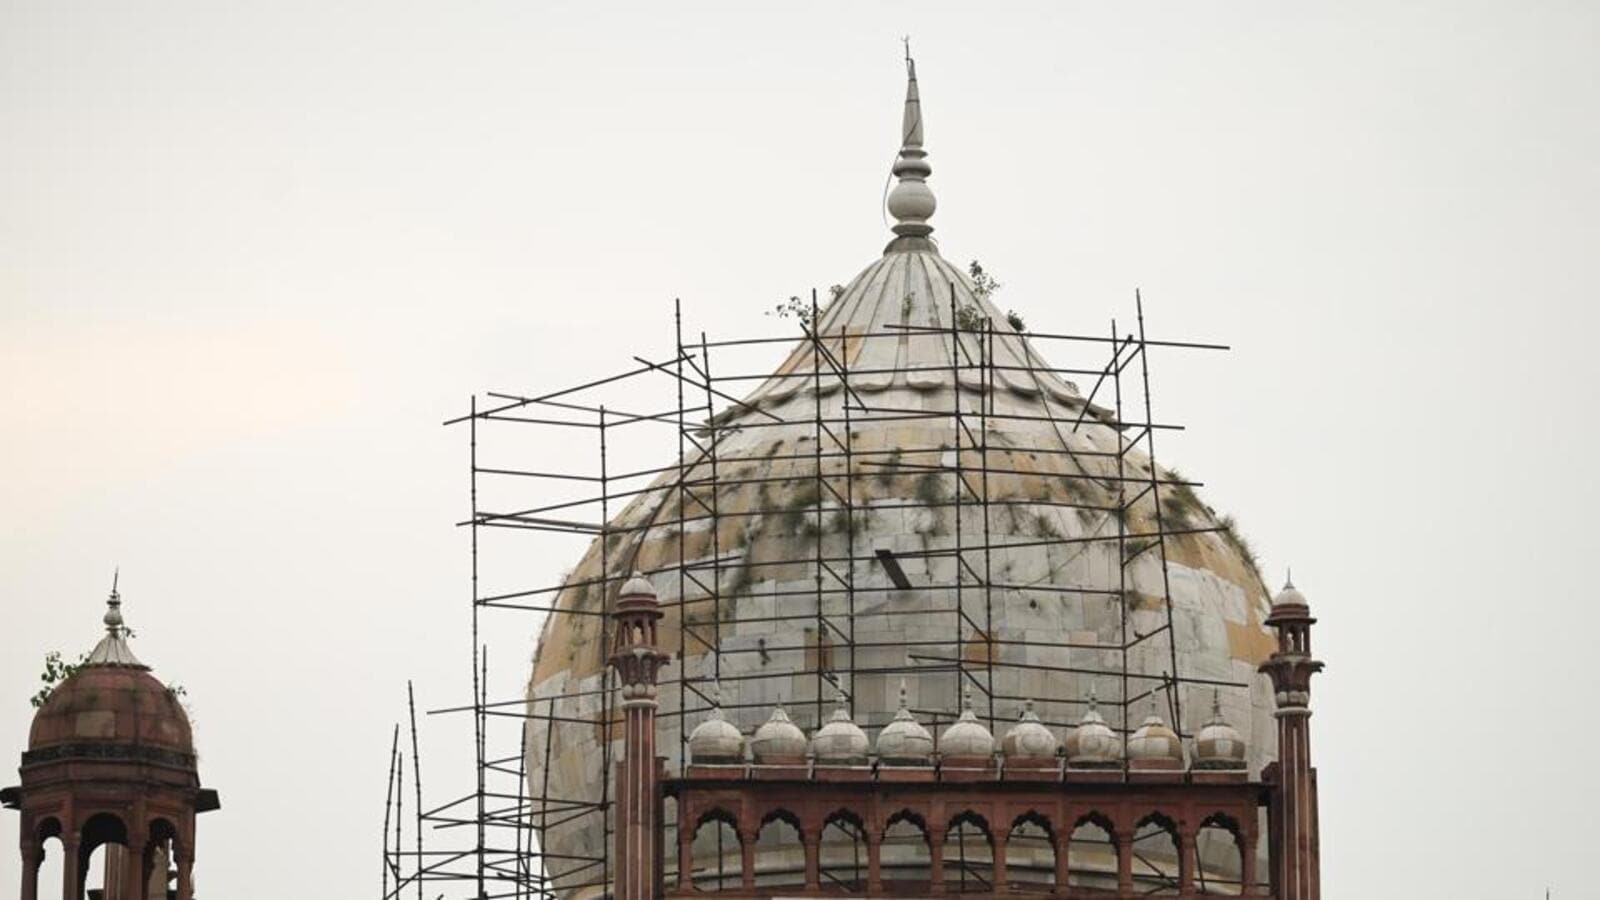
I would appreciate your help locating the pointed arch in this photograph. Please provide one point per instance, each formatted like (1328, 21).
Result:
(1092, 852)
(1156, 844)
(780, 849)
(968, 854)
(1031, 852)
(1219, 855)
(906, 854)
(842, 853)
(719, 865)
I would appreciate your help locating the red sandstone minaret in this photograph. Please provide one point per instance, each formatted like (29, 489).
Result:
(637, 660)
(1294, 816)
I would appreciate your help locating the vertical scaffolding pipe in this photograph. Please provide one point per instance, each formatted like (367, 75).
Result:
(714, 446)
(399, 818)
(960, 556)
(479, 723)
(849, 509)
(1161, 529)
(388, 807)
(683, 592)
(416, 776)
(985, 407)
(821, 488)
(1122, 527)
(605, 671)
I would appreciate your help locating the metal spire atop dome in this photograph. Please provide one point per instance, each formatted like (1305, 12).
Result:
(113, 649)
(910, 201)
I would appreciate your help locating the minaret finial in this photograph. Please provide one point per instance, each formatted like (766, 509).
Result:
(1288, 578)
(911, 202)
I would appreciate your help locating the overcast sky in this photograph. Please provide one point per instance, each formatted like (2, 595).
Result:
(251, 255)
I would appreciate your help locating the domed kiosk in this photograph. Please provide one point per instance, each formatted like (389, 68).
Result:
(111, 761)
(914, 494)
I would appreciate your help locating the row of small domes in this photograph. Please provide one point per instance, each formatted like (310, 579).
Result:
(904, 741)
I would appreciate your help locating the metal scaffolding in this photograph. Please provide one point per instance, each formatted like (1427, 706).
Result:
(489, 841)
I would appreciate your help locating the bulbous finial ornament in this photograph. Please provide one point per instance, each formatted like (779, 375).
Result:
(113, 649)
(911, 202)
(113, 616)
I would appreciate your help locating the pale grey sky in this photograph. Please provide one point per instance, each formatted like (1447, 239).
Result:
(252, 254)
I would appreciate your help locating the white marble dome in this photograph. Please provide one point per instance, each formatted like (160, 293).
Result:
(840, 741)
(1290, 596)
(1218, 745)
(904, 742)
(1029, 738)
(966, 737)
(778, 739)
(1092, 743)
(716, 740)
(1153, 741)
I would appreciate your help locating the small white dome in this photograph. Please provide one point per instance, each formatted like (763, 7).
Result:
(778, 739)
(1092, 743)
(1218, 745)
(1153, 741)
(840, 741)
(716, 740)
(1029, 739)
(904, 742)
(637, 586)
(1290, 596)
(966, 736)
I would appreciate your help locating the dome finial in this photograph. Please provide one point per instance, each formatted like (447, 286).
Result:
(113, 616)
(113, 649)
(911, 202)
(1288, 578)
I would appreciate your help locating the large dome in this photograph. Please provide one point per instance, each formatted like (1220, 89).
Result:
(1048, 627)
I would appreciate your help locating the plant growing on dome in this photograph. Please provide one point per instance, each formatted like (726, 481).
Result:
(1230, 531)
(1179, 504)
(970, 318)
(56, 670)
(983, 284)
(794, 308)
